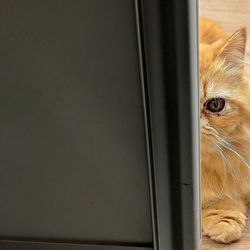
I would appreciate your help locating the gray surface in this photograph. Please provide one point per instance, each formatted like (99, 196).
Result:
(157, 95)
(172, 57)
(57, 246)
(143, 53)
(188, 114)
(72, 148)
(195, 107)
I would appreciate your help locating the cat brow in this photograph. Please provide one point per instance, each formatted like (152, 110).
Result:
(219, 93)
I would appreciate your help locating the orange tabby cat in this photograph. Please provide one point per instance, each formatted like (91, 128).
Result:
(225, 132)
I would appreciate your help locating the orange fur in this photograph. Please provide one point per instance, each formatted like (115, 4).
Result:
(225, 141)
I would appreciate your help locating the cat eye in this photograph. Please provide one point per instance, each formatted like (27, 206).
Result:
(215, 104)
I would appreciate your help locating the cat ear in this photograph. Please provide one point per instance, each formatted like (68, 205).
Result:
(233, 50)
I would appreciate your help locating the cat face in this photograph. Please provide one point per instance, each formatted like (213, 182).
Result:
(224, 93)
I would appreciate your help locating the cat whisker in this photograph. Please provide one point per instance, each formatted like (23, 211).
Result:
(229, 147)
(232, 172)
(227, 139)
(240, 177)
(220, 194)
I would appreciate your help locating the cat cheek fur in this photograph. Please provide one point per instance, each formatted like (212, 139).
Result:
(225, 141)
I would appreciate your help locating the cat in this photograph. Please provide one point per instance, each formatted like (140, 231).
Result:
(225, 132)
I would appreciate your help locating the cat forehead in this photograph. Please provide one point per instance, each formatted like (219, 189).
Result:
(216, 80)
(211, 88)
